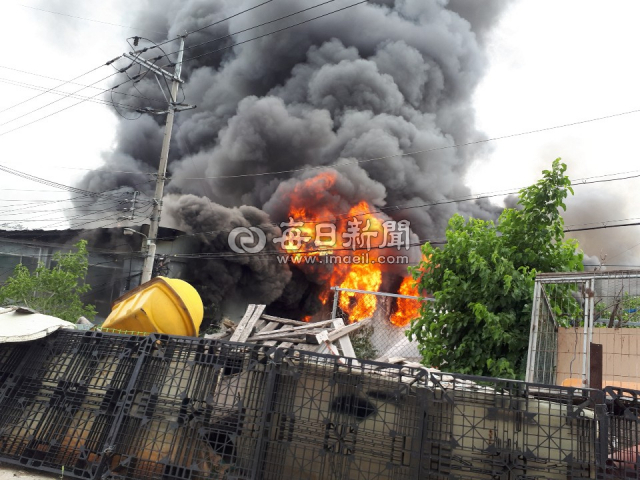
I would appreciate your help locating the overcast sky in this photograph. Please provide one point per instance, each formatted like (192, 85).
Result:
(553, 62)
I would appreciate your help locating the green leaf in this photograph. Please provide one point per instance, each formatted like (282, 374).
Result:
(55, 291)
(482, 281)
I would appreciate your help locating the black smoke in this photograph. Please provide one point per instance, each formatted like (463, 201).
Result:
(381, 79)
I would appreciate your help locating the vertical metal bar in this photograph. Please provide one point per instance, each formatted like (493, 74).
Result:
(418, 443)
(602, 435)
(585, 340)
(267, 410)
(589, 306)
(592, 307)
(122, 408)
(533, 334)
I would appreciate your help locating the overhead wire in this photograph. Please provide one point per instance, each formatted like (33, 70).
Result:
(81, 85)
(409, 153)
(191, 47)
(66, 95)
(275, 31)
(280, 253)
(138, 53)
(111, 61)
(208, 26)
(585, 181)
(89, 19)
(61, 85)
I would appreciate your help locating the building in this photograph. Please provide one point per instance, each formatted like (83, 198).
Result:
(115, 257)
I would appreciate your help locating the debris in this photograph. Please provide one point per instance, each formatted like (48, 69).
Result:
(257, 327)
(18, 324)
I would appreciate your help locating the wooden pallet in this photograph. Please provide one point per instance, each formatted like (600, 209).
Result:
(327, 336)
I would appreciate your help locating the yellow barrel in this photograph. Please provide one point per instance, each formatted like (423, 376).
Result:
(162, 305)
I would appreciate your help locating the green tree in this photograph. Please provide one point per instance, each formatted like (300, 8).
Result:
(482, 281)
(55, 291)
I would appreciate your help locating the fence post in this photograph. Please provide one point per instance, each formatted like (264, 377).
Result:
(595, 366)
(533, 334)
(585, 340)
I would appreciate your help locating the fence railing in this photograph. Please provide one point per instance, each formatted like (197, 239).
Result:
(583, 323)
(388, 315)
(102, 405)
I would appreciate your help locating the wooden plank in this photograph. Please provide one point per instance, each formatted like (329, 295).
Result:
(354, 327)
(396, 360)
(216, 336)
(245, 318)
(271, 326)
(284, 321)
(346, 346)
(260, 325)
(317, 338)
(306, 326)
(595, 366)
(246, 325)
(277, 334)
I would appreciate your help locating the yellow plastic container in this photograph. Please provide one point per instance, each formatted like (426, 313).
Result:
(162, 305)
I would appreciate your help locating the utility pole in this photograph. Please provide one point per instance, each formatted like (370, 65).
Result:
(147, 268)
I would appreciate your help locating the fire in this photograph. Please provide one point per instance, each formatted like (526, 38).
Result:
(348, 242)
(406, 308)
(361, 277)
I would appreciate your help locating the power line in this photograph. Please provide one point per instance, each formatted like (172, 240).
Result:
(228, 18)
(223, 255)
(66, 95)
(601, 227)
(89, 195)
(108, 63)
(583, 181)
(142, 97)
(66, 108)
(89, 19)
(61, 85)
(275, 31)
(398, 155)
(58, 100)
(207, 26)
(137, 76)
(258, 26)
(48, 182)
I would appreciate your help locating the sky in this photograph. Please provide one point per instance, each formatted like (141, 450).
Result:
(552, 62)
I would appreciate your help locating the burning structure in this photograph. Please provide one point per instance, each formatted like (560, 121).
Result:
(316, 124)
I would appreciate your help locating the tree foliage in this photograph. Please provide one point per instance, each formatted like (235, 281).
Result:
(482, 281)
(55, 291)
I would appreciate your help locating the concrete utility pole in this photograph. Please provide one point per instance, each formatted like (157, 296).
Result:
(147, 268)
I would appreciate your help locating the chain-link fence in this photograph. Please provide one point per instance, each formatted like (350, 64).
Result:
(388, 316)
(584, 323)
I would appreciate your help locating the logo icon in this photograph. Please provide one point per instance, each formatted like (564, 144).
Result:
(247, 240)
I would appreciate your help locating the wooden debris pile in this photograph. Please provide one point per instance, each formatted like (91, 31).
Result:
(327, 336)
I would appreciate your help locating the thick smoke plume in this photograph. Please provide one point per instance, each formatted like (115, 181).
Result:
(377, 80)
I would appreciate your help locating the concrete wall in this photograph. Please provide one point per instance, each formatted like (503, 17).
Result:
(621, 355)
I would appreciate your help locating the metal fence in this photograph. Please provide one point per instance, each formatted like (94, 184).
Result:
(389, 316)
(584, 324)
(122, 407)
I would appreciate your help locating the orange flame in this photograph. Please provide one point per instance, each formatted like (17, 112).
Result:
(406, 309)
(357, 236)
